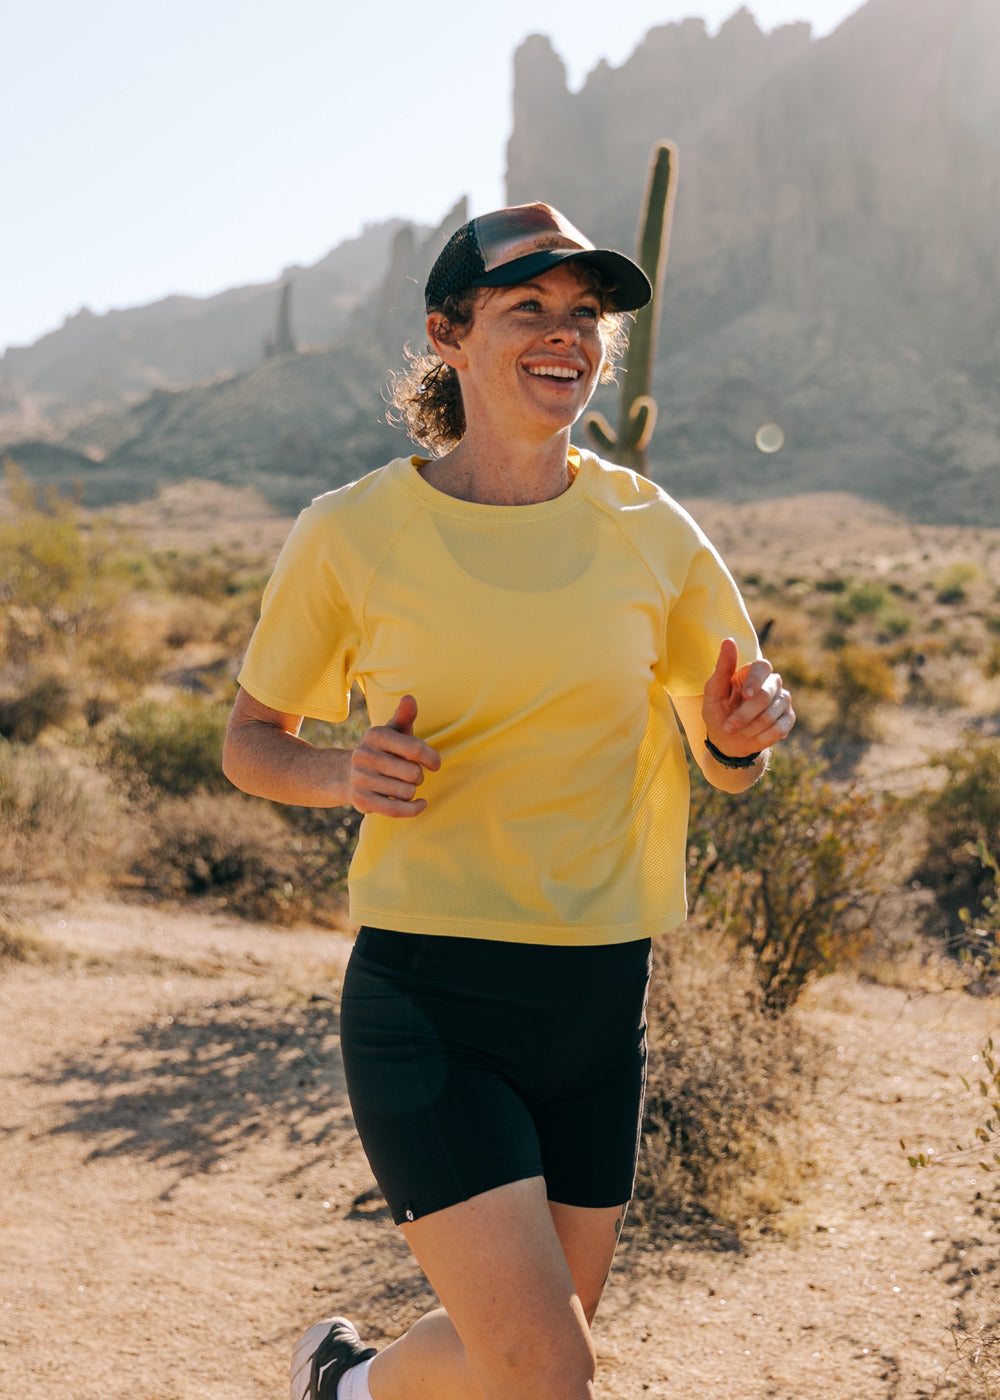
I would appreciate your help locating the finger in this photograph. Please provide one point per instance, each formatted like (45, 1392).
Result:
(385, 739)
(764, 696)
(378, 765)
(757, 675)
(378, 805)
(719, 682)
(772, 723)
(380, 783)
(406, 713)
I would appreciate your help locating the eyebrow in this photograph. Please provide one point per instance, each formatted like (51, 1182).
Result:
(537, 287)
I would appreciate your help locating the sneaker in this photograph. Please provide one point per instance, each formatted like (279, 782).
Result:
(322, 1356)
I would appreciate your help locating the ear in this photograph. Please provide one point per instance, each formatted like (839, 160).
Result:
(442, 339)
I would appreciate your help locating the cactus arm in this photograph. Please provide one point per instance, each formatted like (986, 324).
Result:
(601, 433)
(641, 422)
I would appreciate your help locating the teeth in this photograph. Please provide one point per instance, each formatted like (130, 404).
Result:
(556, 371)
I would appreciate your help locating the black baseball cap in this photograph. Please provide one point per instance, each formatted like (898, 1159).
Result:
(513, 245)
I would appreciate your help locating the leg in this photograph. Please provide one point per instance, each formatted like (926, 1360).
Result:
(589, 1238)
(519, 1280)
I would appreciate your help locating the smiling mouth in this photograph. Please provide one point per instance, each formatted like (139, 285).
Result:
(554, 372)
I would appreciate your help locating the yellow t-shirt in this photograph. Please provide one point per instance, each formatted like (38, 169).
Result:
(541, 643)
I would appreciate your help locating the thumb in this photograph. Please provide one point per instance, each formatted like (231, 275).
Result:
(718, 685)
(406, 713)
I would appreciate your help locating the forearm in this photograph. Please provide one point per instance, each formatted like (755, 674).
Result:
(269, 761)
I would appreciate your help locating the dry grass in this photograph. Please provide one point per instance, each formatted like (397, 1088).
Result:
(725, 1148)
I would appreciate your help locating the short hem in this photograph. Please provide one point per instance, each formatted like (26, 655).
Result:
(560, 936)
(410, 1216)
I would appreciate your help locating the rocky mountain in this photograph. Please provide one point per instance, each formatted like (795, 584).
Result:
(835, 258)
(297, 422)
(834, 270)
(124, 355)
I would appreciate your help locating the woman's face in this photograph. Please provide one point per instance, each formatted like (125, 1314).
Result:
(531, 357)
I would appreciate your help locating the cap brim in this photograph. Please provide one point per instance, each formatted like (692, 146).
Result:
(628, 285)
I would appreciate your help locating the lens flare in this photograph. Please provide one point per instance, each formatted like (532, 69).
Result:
(769, 438)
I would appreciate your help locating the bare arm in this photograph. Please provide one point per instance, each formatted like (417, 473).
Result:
(743, 710)
(264, 755)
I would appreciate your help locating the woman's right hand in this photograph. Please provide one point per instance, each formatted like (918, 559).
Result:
(388, 766)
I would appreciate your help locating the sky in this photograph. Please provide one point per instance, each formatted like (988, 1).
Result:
(206, 144)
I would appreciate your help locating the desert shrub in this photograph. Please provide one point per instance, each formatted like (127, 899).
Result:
(861, 600)
(174, 749)
(55, 579)
(323, 841)
(986, 1134)
(19, 945)
(228, 849)
(976, 941)
(895, 622)
(787, 872)
(962, 818)
(975, 1373)
(117, 663)
(45, 818)
(722, 1149)
(862, 680)
(216, 574)
(953, 584)
(43, 702)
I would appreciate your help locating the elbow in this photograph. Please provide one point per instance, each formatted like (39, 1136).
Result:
(233, 762)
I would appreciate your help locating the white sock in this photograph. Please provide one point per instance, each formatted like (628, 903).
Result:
(353, 1384)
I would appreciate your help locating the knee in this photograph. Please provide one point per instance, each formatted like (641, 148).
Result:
(563, 1370)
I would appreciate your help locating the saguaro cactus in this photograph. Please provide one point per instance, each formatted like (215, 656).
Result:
(282, 342)
(637, 408)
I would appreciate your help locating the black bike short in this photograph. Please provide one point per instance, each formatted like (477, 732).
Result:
(472, 1063)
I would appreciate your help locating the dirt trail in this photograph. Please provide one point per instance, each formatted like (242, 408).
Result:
(181, 1184)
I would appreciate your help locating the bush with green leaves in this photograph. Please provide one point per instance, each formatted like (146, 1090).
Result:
(953, 585)
(176, 749)
(963, 822)
(787, 871)
(55, 577)
(862, 680)
(863, 599)
(976, 942)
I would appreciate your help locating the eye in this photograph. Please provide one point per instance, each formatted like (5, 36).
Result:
(528, 304)
(589, 311)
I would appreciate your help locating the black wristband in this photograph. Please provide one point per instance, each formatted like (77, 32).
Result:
(727, 760)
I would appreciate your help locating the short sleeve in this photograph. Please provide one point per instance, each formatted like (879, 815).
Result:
(304, 650)
(707, 609)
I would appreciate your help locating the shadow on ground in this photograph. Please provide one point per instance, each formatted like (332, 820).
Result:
(190, 1090)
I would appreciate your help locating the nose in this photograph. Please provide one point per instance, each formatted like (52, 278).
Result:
(563, 331)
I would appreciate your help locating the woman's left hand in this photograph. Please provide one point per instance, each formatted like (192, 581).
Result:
(745, 708)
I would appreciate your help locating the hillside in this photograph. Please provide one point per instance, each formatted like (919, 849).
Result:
(126, 354)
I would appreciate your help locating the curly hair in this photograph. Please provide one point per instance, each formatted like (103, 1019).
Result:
(425, 396)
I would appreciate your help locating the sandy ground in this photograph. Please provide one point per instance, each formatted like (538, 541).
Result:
(183, 1191)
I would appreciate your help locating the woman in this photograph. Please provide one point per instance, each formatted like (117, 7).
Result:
(526, 622)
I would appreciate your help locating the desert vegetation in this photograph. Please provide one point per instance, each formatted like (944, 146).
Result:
(871, 848)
